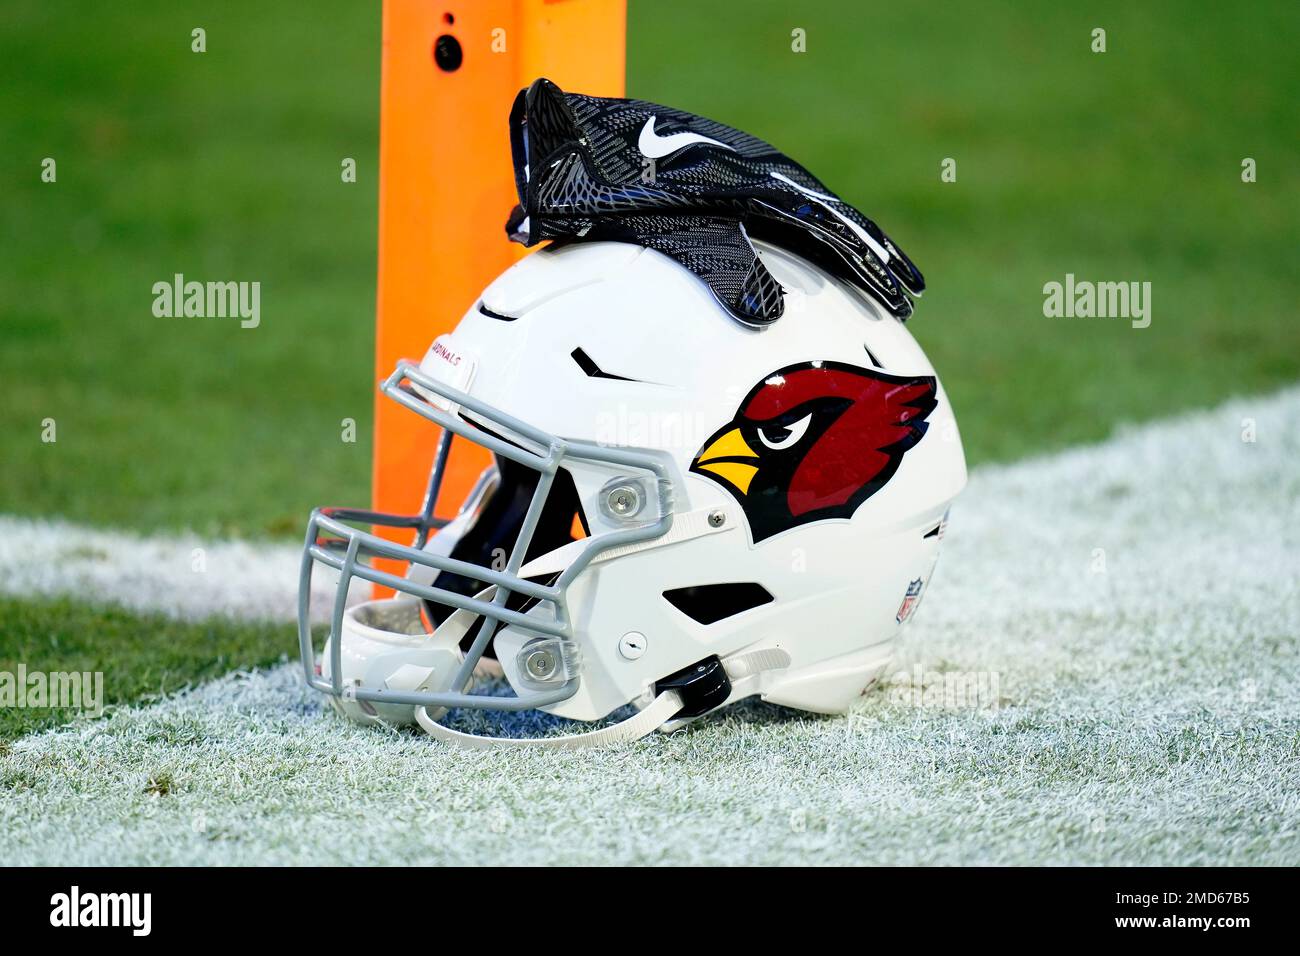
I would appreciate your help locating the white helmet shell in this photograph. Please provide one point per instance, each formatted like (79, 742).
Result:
(801, 476)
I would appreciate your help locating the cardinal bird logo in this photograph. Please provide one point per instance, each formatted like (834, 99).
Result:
(813, 441)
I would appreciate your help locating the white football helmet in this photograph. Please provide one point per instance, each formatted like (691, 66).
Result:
(683, 511)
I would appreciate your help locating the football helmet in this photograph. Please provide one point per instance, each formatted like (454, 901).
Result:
(682, 511)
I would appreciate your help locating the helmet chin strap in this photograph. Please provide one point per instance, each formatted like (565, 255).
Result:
(743, 668)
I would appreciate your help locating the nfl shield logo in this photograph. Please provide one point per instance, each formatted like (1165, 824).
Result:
(910, 600)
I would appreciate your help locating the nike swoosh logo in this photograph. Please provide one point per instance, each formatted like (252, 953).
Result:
(881, 252)
(654, 146)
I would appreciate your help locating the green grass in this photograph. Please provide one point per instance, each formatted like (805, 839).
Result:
(1143, 716)
(141, 656)
(1116, 166)
(220, 165)
(1120, 166)
(225, 165)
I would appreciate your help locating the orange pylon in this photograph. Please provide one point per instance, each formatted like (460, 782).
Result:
(446, 187)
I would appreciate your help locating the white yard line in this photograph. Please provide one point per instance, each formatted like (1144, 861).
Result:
(181, 575)
(1137, 601)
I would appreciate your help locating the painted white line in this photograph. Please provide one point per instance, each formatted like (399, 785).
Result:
(180, 575)
(1138, 601)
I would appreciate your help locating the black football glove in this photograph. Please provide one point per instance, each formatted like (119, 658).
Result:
(599, 168)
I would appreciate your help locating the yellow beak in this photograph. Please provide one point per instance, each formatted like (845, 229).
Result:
(716, 457)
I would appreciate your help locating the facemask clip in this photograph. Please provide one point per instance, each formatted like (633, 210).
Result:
(548, 661)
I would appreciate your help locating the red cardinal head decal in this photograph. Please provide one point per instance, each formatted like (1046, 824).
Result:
(814, 441)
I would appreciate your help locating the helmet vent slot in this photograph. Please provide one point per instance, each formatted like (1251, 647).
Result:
(710, 603)
(495, 315)
(592, 370)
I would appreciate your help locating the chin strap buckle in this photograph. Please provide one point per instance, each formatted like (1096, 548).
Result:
(701, 687)
(688, 693)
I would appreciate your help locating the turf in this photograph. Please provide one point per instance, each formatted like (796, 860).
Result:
(1115, 166)
(140, 655)
(223, 165)
(1138, 708)
(183, 576)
